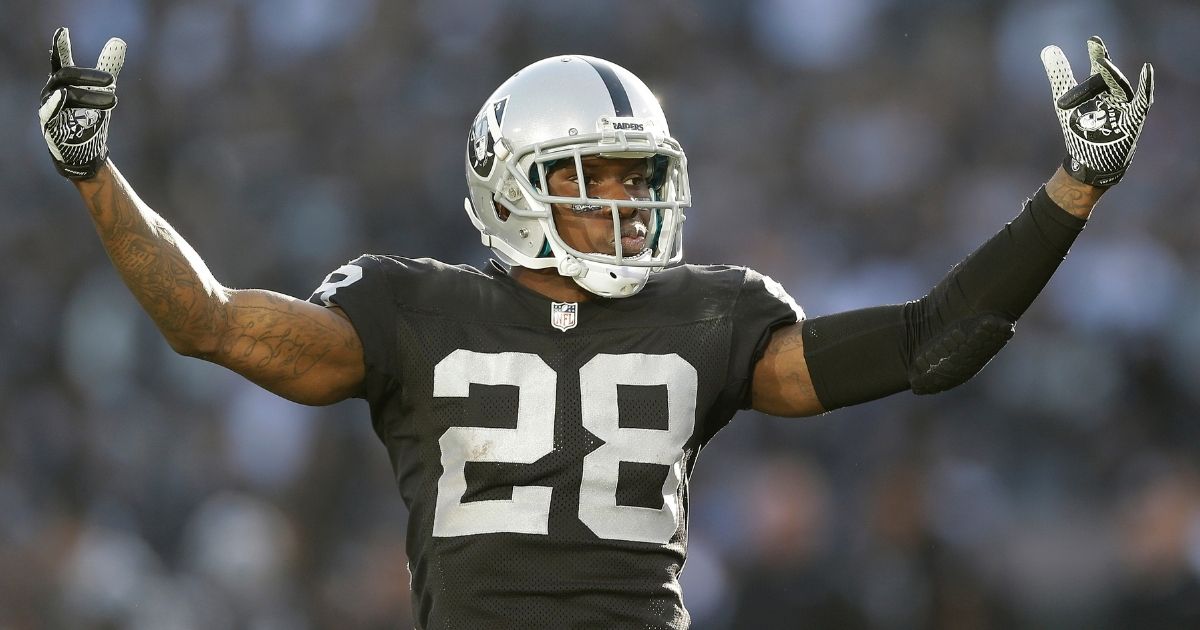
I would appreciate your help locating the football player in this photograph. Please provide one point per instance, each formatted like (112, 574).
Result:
(543, 414)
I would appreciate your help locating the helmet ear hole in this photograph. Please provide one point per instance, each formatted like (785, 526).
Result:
(502, 213)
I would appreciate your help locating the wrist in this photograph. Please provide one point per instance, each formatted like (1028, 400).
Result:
(82, 172)
(101, 175)
(1072, 195)
(1091, 176)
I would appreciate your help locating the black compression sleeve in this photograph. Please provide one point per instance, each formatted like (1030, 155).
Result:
(857, 355)
(866, 354)
(1010, 269)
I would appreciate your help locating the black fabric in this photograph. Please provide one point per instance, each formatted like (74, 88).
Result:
(1091, 176)
(959, 351)
(764, 302)
(412, 315)
(1009, 270)
(866, 354)
(857, 355)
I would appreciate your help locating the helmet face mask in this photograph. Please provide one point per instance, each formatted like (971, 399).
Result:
(566, 109)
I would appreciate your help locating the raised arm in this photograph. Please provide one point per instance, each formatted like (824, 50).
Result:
(304, 352)
(933, 343)
(944, 338)
(301, 351)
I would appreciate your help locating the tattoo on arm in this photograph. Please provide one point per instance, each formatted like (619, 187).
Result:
(782, 385)
(788, 354)
(1072, 195)
(301, 351)
(270, 331)
(165, 275)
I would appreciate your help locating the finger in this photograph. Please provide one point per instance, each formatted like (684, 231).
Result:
(60, 49)
(112, 57)
(1117, 83)
(55, 62)
(1082, 93)
(90, 99)
(1145, 94)
(1096, 51)
(1058, 70)
(51, 106)
(79, 77)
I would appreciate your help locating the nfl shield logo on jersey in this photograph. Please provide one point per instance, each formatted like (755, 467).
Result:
(563, 315)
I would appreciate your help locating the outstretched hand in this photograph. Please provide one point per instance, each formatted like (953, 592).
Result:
(1102, 117)
(77, 104)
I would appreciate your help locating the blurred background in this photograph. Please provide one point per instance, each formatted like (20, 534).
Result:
(852, 149)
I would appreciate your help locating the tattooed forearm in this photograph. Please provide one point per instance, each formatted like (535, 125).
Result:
(165, 275)
(301, 351)
(1073, 195)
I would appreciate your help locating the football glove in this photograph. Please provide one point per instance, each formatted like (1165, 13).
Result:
(76, 106)
(1102, 117)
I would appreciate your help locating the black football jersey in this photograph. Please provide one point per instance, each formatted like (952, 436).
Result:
(543, 449)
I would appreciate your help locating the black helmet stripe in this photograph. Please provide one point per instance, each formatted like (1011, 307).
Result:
(616, 91)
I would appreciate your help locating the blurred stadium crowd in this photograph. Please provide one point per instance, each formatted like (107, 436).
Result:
(854, 150)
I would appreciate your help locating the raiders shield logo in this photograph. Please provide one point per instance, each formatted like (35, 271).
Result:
(564, 315)
(481, 144)
(81, 124)
(1097, 121)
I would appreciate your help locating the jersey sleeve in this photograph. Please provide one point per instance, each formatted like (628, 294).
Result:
(762, 306)
(362, 289)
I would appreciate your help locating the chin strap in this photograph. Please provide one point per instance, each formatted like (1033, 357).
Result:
(610, 281)
(571, 267)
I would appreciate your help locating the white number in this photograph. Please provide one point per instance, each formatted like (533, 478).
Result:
(353, 274)
(529, 509)
(528, 512)
(598, 381)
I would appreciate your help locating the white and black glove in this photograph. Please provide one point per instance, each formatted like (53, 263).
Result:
(1102, 117)
(76, 105)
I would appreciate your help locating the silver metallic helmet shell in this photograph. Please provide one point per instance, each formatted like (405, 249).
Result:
(567, 108)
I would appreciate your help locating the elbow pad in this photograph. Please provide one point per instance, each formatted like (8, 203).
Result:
(946, 337)
(958, 353)
(861, 355)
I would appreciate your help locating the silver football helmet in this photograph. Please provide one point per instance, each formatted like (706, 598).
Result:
(568, 108)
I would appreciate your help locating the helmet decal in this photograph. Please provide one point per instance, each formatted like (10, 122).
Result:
(616, 91)
(481, 143)
(498, 107)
